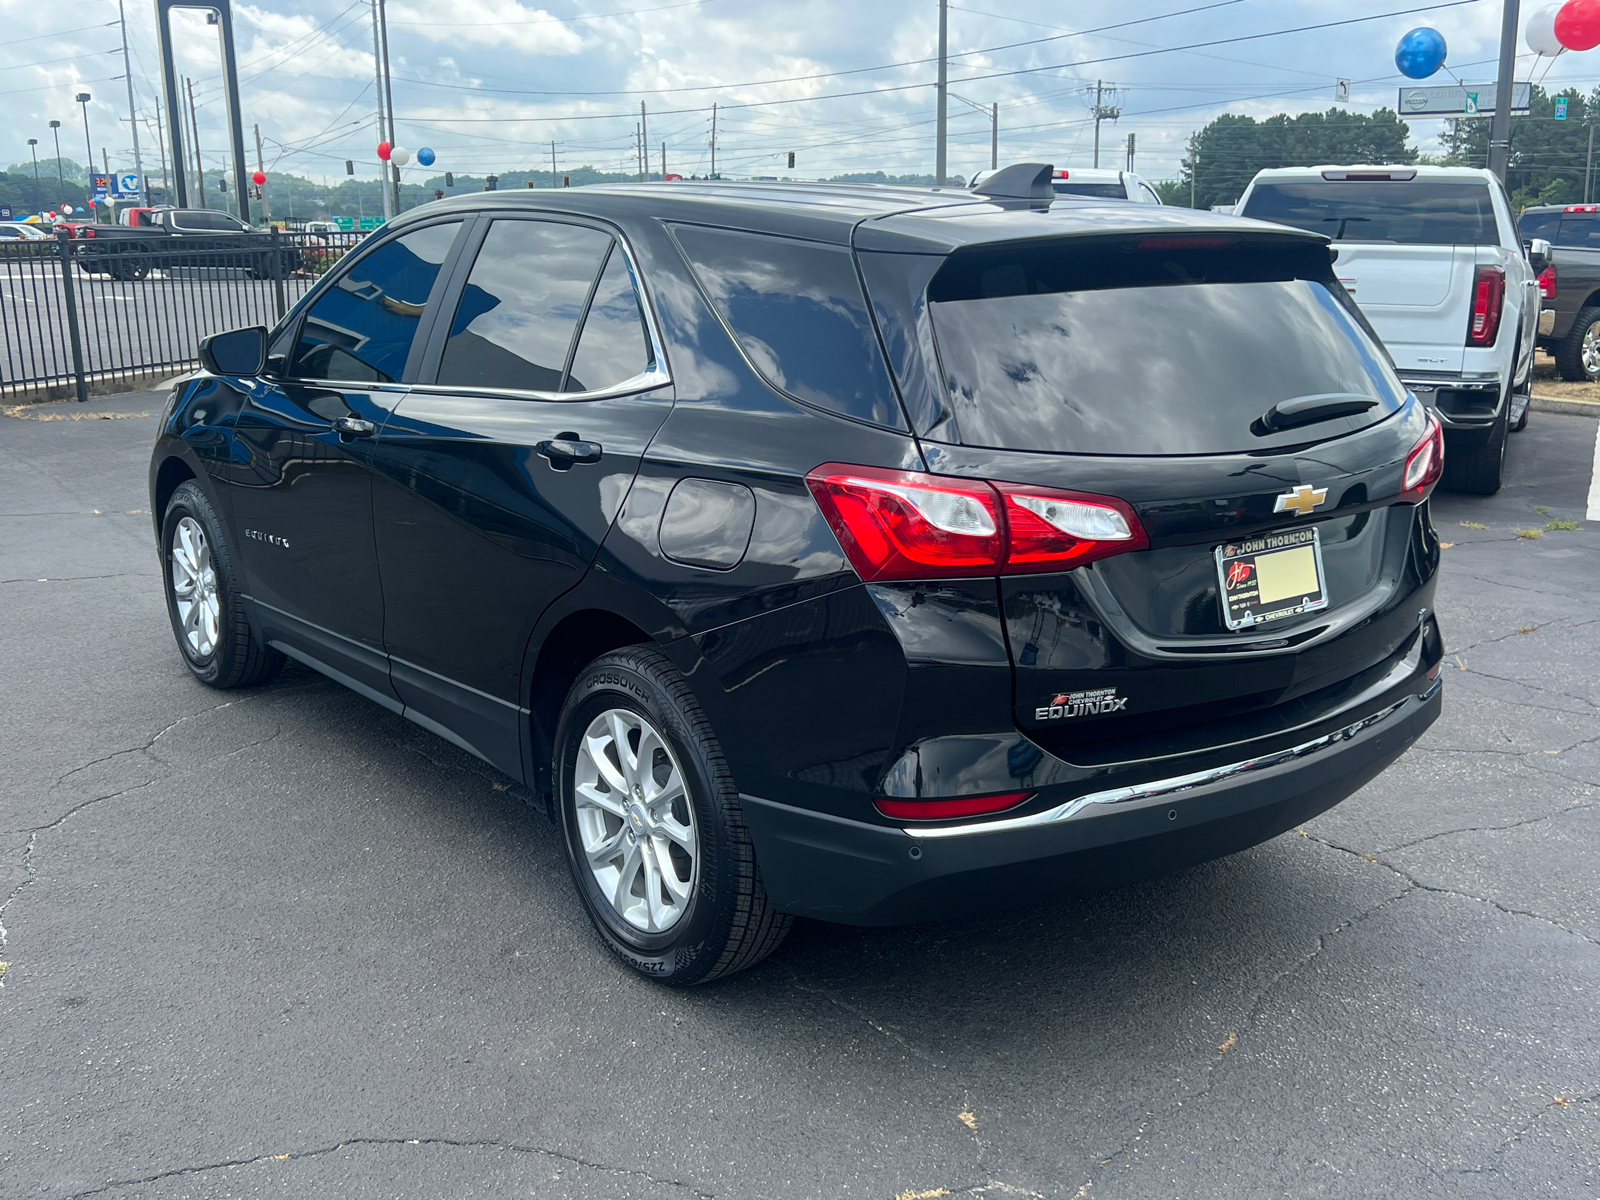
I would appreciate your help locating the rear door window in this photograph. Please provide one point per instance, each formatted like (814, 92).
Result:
(514, 324)
(362, 327)
(614, 346)
(1412, 212)
(1102, 191)
(1113, 351)
(797, 310)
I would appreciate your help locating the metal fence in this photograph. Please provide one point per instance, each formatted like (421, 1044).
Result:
(98, 312)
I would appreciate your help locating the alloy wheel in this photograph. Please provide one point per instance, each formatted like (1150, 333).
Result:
(635, 820)
(1590, 351)
(194, 588)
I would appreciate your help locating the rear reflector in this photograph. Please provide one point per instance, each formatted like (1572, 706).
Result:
(936, 810)
(910, 525)
(1547, 282)
(1488, 299)
(1424, 464)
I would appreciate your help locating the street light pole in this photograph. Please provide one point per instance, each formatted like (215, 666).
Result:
(994, 139)
(83, 98)
(133, 116)
(33, 149)
(55, 129)
(1500, 124)
(940, 125)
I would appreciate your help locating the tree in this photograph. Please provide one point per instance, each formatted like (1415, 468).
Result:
(1547, 155)
(1225, 156)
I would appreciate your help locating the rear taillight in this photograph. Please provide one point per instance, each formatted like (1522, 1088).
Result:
(1547, 282)
(909, 525)
(1488, 298)
(1424, 464)
(943, 810)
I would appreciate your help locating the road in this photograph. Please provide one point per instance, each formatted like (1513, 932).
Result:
(282, 943)
(156, 322)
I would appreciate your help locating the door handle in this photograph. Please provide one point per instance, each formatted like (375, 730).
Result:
(567, 449)
(349, 427)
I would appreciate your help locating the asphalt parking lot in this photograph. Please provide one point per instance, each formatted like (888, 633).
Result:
(281, 942)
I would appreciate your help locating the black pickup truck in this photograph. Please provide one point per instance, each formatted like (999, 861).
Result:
(1569, 283)
(166, 238)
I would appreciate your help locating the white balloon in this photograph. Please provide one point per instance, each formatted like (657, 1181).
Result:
(399, 156)
(1541, 32)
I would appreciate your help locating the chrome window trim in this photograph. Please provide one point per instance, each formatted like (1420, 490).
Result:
(1176, 783)
(645, 381)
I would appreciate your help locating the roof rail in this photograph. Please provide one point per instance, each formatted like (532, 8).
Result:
(1021, 181)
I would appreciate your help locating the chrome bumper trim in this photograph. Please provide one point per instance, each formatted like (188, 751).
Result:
(1176, 783)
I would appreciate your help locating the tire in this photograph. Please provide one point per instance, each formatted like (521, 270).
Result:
(713, 918)
(213, 635)
(1572, 362)
(1476, 470)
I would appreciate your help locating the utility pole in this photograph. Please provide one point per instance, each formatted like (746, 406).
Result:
(663, 162)
(1102, 112)
(644, 144)
(388, 97)
(194, 125)
(133, 116)
(1130, 152)
(638, 152)
(161, 145)
(554, 182)
(1589, 162)
(994, 139)
(941, 125)
(1500, 124)
(713, 140)
(1194, 169)
(261, 165)
(385, 134)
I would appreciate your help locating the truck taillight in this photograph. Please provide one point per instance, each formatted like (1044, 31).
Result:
(1424, 464)
(910, 525)
(1547, 282)
(1488, 299)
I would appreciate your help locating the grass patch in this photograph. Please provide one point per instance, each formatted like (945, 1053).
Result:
(1530, 534)
(1540, 509)
(1560, 524)
(1472, 524)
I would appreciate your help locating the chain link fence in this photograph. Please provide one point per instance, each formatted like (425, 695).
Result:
(113, 308)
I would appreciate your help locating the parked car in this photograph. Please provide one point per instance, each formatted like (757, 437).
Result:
(658, 500)
(165, 238)
(1092, 183)
(1432, 257)
(1569, 284)
(18, 231)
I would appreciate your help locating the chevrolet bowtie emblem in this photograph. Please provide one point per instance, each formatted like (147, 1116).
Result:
(1302, 500)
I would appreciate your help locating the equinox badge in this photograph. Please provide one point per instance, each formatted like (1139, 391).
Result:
(1302, 500)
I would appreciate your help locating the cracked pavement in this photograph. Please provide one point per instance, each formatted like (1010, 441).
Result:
(280, 942)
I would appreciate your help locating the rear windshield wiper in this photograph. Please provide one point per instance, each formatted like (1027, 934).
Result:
(1308, 410)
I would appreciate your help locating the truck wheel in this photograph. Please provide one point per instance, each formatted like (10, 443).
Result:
(1476, 470)
(1578, 354)
(654, 833)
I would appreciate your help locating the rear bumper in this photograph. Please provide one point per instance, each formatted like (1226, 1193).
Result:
(1464, 403)
(836, 869)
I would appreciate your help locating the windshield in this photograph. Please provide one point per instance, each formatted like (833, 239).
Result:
(1104, 191)
(1413, 212)
(1177, 352)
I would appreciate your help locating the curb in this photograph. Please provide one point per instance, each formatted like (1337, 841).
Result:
(1571, 408)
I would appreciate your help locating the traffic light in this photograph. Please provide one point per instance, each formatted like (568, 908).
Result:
(566, 181)
(449, 179)
(349, 167)
(222, 184)
(491, 183)
(791, 160)
(531, 183)
(438, 193)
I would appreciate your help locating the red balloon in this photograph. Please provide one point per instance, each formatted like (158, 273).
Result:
(259, 178)
(383, 150)
(1578, 24)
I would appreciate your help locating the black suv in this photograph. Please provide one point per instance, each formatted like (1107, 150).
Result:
(870, 554)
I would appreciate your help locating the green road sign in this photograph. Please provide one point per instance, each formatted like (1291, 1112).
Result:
(345, 222)
(1471, 106)
(1561, 108)
(371, 222)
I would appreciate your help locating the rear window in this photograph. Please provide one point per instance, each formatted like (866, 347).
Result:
(797, 310)
(1532, 225)
(1104, 191)
(1412, 212)
(1118, 351)
(1578, 230)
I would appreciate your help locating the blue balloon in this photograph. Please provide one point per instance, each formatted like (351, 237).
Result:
(1420, 53)
(425, 157)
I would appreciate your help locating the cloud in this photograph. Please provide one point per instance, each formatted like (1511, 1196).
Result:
(500, 23)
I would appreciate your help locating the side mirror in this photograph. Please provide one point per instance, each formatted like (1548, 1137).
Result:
(1539, 251)
(238, 352)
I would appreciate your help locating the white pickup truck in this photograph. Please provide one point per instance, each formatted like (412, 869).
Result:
(1432, 258)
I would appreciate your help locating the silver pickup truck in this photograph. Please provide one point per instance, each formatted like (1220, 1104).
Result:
(1432, 258)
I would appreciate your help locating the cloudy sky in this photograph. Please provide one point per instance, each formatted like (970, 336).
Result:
(488, 84)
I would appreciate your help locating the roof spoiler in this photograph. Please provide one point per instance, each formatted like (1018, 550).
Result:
(1021, 181)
